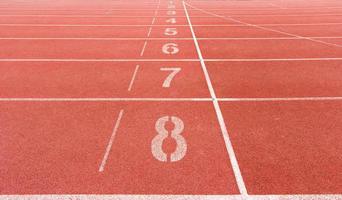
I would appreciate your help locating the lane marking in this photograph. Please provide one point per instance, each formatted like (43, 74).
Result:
(133, 77)
(229, 147)
(269, 59)
(185, 25)
(168, 60)
(164, 16)
(149, 33)
(171, 197)
(223, 99)
(143, 48)
(150, 29)
(97, 60)
(150, 9)
(165, 38)
(110, 142)
(229, 18)
(282, 99)
(99, 99)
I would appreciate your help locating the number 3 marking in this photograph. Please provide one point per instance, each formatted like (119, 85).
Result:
(167, 81)
(157, 142)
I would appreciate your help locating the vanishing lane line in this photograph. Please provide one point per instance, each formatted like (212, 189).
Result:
(229, 147)
(229, 18)
(110, 142)
(150, 29)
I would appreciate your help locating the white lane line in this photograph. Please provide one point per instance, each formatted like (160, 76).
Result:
(269, 59)
(150, 29)
(171, 197)
(149, 38)
(281, 99)
(110, 142)
(160, 25)
(229, 18)
(97, 60)
(151, 9)
(229, 147)
(128, 99)
(166, 16)
(143, 48)
(100, 99)
(155, 16)
(149, 33)
(168, 60)
(133, 78)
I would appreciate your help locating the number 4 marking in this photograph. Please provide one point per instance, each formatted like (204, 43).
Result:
(174, 71)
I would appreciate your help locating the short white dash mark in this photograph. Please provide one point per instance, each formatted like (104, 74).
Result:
(133, 78)
(110, 143)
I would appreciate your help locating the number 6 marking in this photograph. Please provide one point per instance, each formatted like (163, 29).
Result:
(167, 81)
(157, 142)
(170, 48)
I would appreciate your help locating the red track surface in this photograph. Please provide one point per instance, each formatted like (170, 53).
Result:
(84, 87)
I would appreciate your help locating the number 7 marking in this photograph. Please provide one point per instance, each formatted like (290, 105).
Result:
(174, 71)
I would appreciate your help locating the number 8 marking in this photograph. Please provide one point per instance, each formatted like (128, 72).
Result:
(157, 142)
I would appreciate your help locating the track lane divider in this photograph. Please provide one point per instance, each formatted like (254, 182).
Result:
(229, 147)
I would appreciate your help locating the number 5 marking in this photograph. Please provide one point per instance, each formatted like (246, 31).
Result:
(157, 142)
(174, 71)
(170, 31)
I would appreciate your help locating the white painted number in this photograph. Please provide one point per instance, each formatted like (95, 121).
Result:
(171, 12)
(170, 48)
(171, 6)
(170, 31)
(157, 142)
(169, 78)
(171, 20)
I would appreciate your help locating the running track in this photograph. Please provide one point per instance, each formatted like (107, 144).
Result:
(171, 99)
